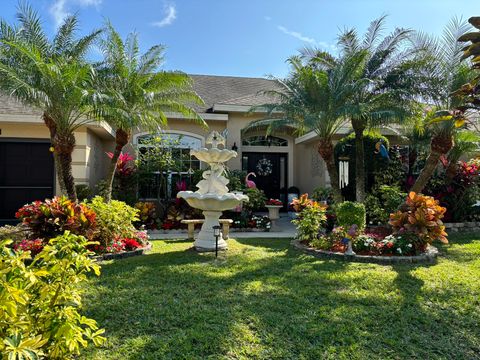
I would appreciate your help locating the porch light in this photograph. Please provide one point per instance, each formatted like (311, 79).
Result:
(234, 146)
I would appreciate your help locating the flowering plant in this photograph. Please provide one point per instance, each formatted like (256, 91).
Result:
(130, 244)
(275, 202)
(125, 165)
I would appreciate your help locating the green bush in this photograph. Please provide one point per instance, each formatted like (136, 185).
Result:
(236, 180)
(40, 302)
(349, 213)
(256, 199)
(383, 201)
(310, 221)
(114, 220)
(323, 194)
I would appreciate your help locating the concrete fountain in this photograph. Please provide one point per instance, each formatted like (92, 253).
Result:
(212, 196)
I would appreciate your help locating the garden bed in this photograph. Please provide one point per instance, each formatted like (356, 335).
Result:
(468, 226)
(428, 257)
(123, 254)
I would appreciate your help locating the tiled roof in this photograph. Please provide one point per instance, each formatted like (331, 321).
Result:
(228, 90)
(231, 90)
(8, 105)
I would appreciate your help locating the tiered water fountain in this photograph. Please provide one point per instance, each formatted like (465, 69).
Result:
(212, 196)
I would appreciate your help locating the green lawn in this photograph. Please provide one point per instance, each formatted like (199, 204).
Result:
(269, 301)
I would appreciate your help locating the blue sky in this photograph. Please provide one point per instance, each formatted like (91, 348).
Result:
(244, 37)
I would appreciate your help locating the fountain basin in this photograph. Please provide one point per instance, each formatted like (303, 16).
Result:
(212, 202)
(212, 206)
(213, 155)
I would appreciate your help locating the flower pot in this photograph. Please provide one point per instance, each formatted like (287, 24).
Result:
(273, 211)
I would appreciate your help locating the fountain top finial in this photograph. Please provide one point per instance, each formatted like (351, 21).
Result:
(215, 139)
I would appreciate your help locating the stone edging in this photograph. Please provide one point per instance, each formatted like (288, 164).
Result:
(123, 254)
(469, 226)
(428, 257)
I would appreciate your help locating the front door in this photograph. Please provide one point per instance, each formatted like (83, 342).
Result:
(271, 170)
(26, 174)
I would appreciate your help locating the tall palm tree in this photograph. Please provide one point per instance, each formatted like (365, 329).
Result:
(50, 75)
(443, 73)
(384, 87)
(312, 99)
(137, 93)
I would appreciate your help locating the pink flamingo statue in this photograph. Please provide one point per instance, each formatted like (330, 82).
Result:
(249, 183)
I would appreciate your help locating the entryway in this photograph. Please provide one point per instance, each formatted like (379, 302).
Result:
(26, 174)
(271, 170)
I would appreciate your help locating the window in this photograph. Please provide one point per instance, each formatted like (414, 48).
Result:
(167, 163)
(264, 141)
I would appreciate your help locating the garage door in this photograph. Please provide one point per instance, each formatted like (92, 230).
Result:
(26, 174)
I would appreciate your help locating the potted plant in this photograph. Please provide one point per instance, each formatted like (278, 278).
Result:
(273, 206)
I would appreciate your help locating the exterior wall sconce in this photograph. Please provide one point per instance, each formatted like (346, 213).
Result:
(234, 146)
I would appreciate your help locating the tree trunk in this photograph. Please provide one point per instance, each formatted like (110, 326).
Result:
(451, 171)
(440, 145)
(325, 149)
(65, 159)
(359, 128)
(121, 139)
(427, 172)
(52, 127)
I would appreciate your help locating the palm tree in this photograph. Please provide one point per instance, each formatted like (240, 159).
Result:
(384, 86)
(138, 95)
(311, 99)
(443, 73)
(50, 75)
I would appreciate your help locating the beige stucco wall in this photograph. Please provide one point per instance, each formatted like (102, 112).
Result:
(87, 164)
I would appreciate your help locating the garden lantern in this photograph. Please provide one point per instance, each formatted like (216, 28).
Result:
(216, 233)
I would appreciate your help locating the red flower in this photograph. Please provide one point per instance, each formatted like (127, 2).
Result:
(130, 244)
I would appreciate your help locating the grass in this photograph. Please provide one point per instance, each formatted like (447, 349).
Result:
(269, 301)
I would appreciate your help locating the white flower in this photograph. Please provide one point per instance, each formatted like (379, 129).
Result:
(409, 245)
(399, 250)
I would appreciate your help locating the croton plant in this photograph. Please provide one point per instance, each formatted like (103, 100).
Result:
(421, 215)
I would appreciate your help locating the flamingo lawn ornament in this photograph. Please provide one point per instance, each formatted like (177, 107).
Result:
(249, 183)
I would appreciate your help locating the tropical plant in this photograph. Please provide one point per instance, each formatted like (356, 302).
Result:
(471, 90)
(40, 302)
(52, 76)
(314, 99)
(422, 216)
(310, 221)
(53, 217)
(384, 85)
(138, 95)
(443, 72)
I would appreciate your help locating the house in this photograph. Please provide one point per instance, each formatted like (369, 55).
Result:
(27, 169)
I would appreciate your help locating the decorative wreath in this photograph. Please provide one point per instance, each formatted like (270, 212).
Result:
(264, 167)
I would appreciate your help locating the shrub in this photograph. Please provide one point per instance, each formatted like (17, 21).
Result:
(35, 246)
(51, 218)
(298, 204)
(40, 302)
(420, 215)
(84, 192)
(114, 221)
(256, 199)
(383, 201)
(310, 221)
(147, 213)
(350, 213)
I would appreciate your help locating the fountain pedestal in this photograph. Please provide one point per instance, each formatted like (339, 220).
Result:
(204, 242)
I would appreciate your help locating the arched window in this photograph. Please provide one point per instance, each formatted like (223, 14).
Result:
(260, 140)
(162, 179)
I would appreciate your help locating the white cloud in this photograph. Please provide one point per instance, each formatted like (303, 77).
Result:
(296, 34)
(170, 16)
(59, 8)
